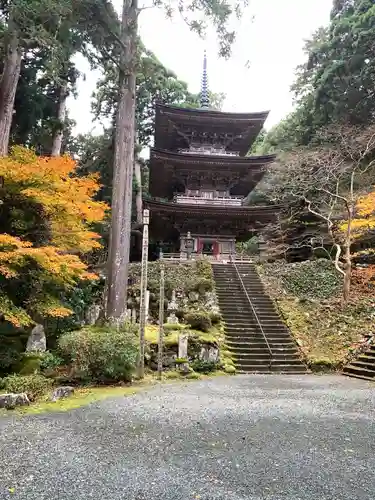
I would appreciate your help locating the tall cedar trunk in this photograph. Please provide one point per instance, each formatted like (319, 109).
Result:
(138, 199)
(119, 248)
(61, 115)
(8, 87)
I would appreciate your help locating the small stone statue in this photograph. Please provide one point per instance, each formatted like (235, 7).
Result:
(172, 308)
(37, 340)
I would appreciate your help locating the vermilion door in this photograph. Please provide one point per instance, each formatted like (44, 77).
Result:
(215, 248)
(199, 245)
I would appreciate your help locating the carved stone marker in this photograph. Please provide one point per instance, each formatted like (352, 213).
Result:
(172, 308)
(37, 340)
(147, 304)
(183, 346)
(92, 314)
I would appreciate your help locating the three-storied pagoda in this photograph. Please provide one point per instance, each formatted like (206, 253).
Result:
(200, 175)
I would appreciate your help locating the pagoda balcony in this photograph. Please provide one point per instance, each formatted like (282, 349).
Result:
(210, 151)
(233, 201)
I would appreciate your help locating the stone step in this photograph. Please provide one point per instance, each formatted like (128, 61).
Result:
(369, 356)
(249, 312)
(256, 290)
(286, 359)
(256, 333)
(359, 371)
(277, 345)
(232, 305)
(229, 296)
(274, 367)
(252, 325)
(266, 321)
(251, 336)
(356, 375)
(281, 340)
(360, 363)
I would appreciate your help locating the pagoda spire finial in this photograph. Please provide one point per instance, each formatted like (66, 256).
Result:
(204, 97)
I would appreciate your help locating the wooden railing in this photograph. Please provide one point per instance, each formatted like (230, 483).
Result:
(182, 199)
(182, 256)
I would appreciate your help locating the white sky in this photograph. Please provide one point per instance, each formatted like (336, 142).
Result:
(272, 43)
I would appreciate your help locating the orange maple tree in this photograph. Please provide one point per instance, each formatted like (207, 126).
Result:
(46, 216)
(364, 219)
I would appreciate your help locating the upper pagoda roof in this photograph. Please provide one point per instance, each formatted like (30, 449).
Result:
(250, 213)
(174, 125)
(168, 170)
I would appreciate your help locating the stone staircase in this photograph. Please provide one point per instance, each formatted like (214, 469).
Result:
(363, 366)
(244, 337)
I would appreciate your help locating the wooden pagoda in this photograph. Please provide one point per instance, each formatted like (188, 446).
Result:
(200, 176)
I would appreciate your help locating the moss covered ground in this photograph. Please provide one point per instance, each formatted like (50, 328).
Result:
(308, 297)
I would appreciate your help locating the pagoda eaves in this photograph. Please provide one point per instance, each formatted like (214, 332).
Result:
(177, 128)
(172, 172)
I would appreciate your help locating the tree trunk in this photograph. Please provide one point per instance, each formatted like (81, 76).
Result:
(61, 115)
(8, 87)
(119, 248)
(347, 281)
(348, 257)
(138, 199)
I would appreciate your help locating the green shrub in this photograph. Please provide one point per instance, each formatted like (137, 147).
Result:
(215, 318)
(172, 374)
(34, 386)
(181, 361)
(203, 285)
(50, 361)
(193, 376)
(199, 321)
(30, 363)
(230, 369)
(12, 346)
(102, 354)
(201, 366)
(168, 327)
(315, 279)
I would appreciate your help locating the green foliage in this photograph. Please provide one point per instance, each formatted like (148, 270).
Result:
(34, 386)
(193, 376)
(170, 327)
(184, 278)
(50, 361)
(78, 299)
(181, 361)
(201, 366)
(101, 354)
(335, 83)
(323, 329)
(199, 321)
(216, 318)
(172, 374)
(30, 363)
(311, 279)
(249, 247)
(230, 369)
(12, 345)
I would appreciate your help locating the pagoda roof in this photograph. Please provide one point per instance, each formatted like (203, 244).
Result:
(244, 127)
(252, 213)
(168, 170)
(240, 221)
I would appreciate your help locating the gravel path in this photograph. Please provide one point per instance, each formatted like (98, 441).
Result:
(245, 437)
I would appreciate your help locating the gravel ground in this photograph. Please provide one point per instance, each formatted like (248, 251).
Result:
(245, 437)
